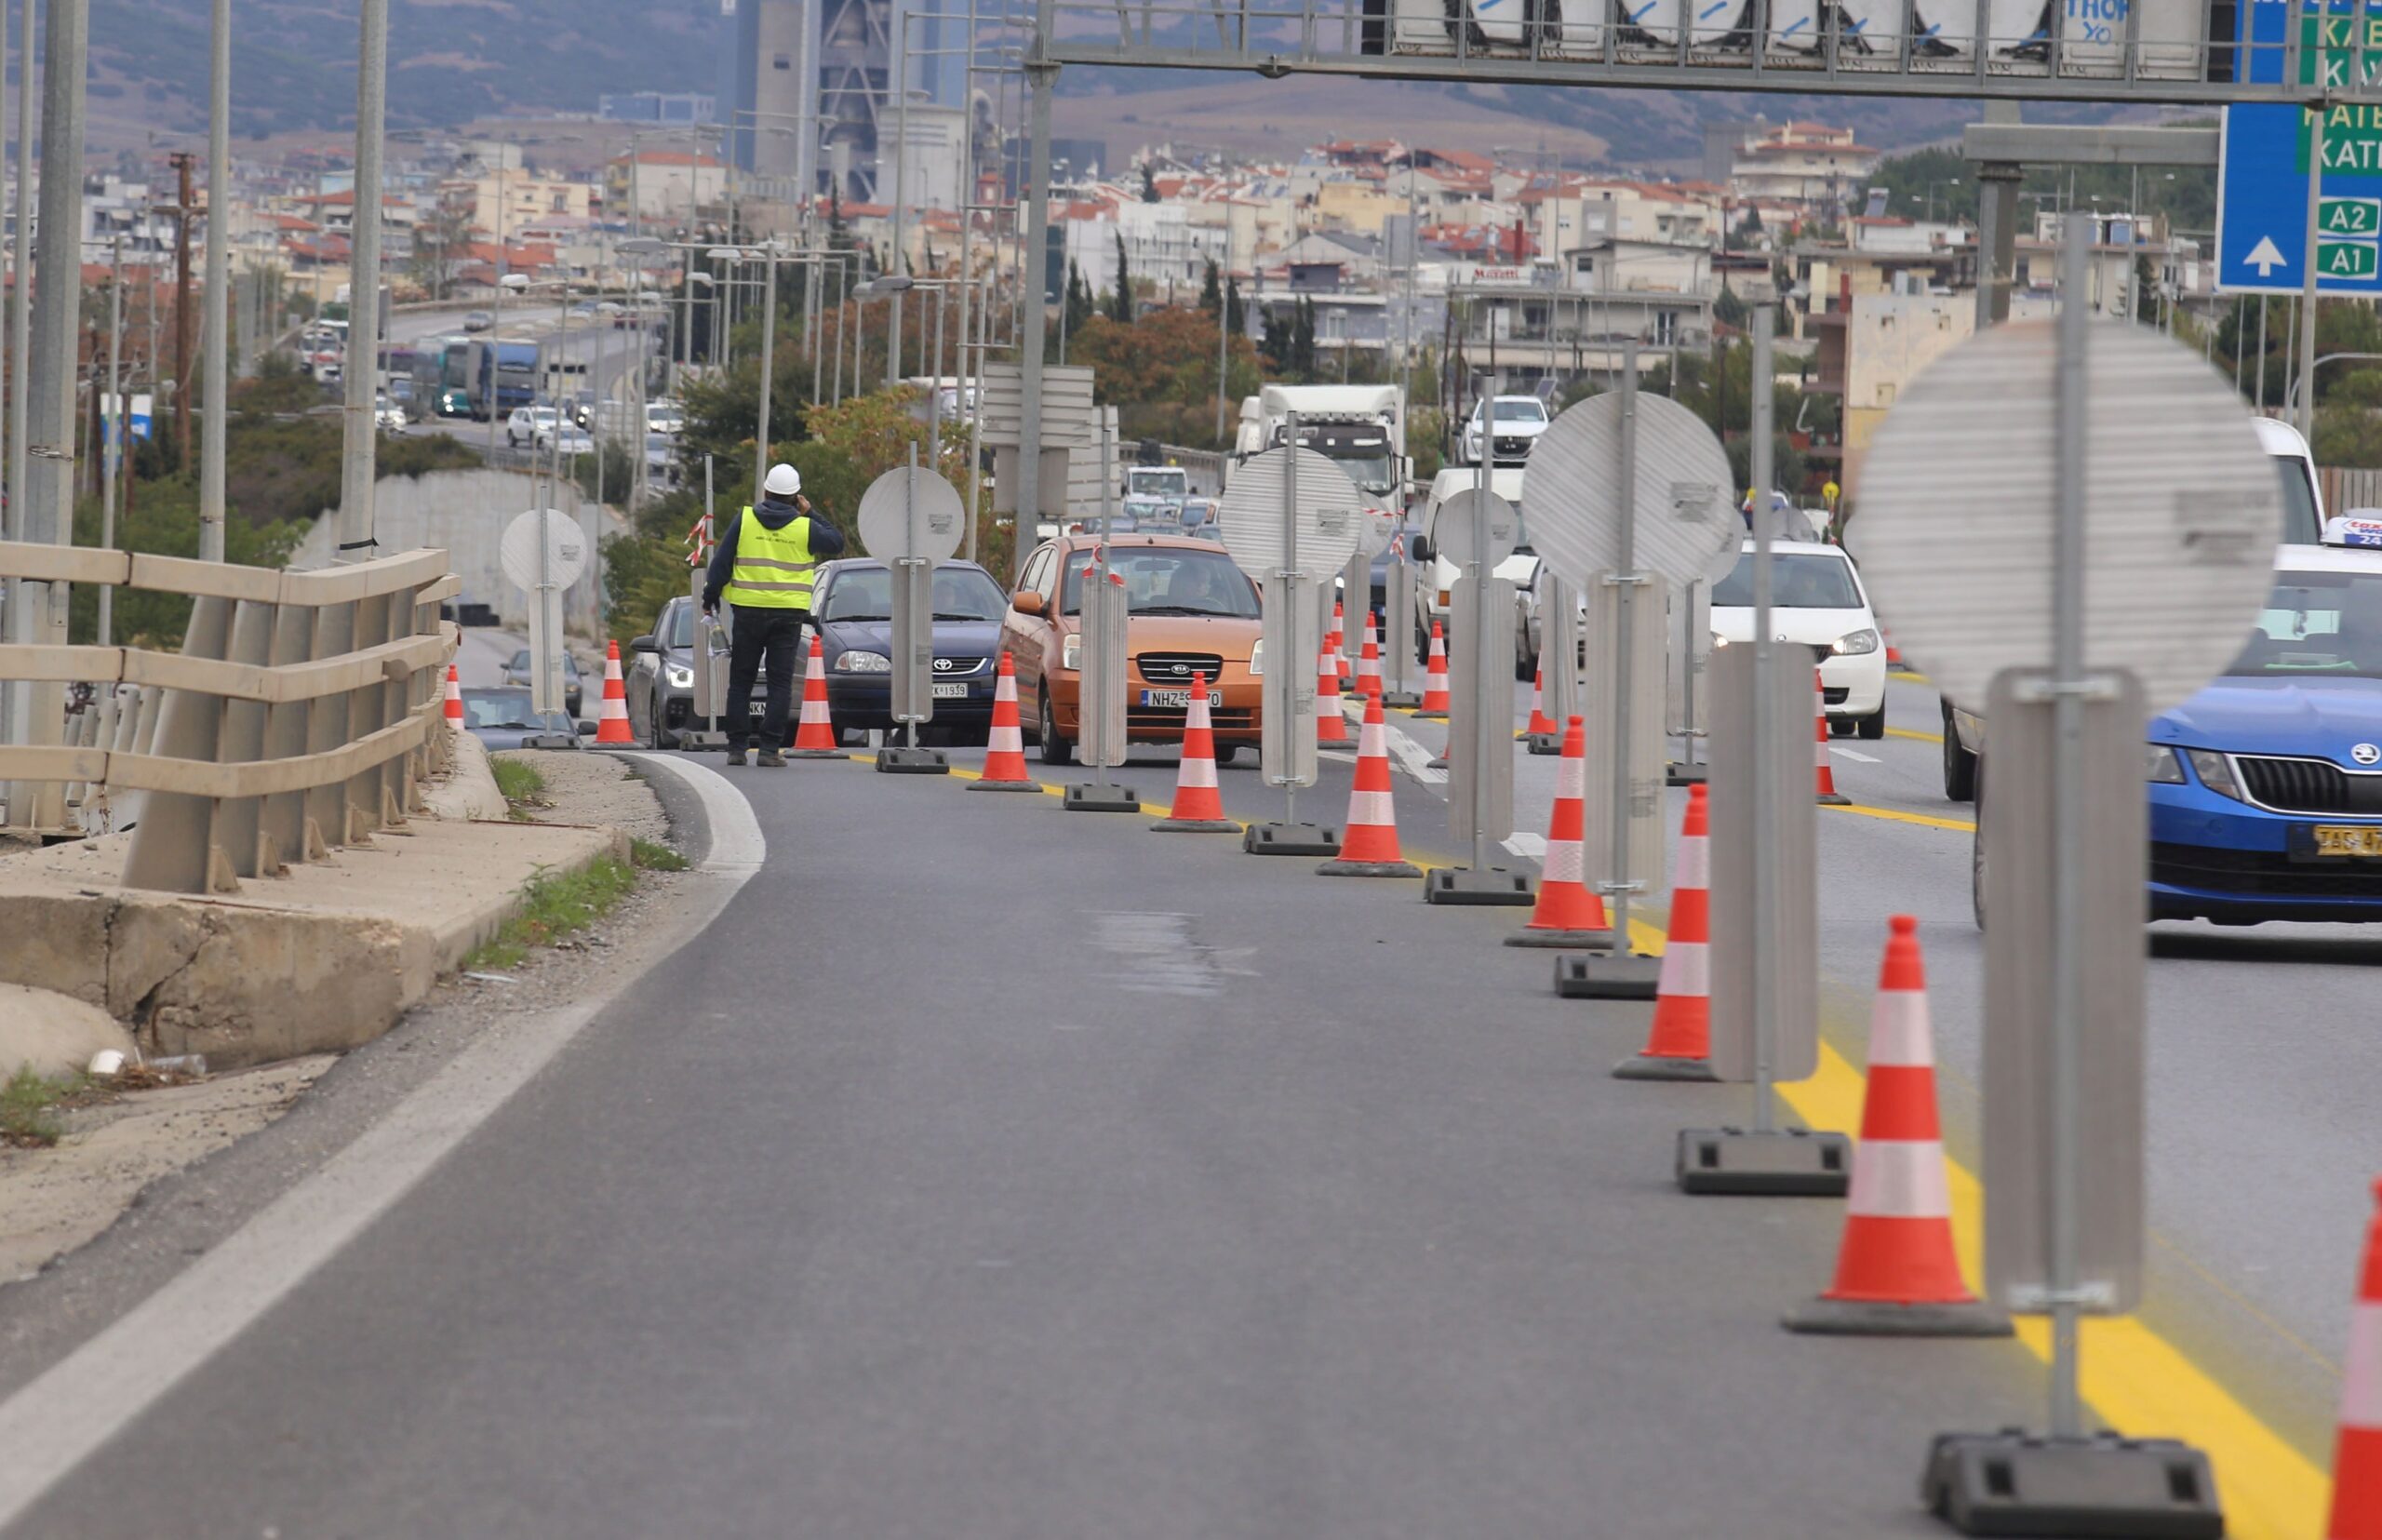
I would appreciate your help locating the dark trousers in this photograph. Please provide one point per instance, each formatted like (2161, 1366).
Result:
(763, 632)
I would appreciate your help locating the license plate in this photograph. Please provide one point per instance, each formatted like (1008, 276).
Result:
(1180, 700)
(2349, 840)
(950, 692)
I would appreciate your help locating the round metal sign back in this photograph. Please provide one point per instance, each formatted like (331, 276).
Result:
(1374, 531)
(1480, 525)
(1685, 511)
(566, 545)
(907, 513)
(1954, 531)
(1331, 513)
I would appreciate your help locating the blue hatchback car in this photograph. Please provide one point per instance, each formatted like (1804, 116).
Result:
(852, 607)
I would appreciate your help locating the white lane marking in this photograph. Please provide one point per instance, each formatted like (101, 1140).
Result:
(1411, 754)
(67, 1412)
(1853, 754)
(1530, 846)
(1342, 756)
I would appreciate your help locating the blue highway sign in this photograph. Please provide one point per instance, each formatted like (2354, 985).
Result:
(2262, 180)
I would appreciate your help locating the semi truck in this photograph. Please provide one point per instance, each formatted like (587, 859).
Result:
(1362, 427)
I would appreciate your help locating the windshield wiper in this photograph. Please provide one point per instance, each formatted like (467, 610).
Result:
(1176, 610)
(945, 615)
(836, 620)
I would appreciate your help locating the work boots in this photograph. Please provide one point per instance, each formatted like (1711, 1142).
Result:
(772, 759)
(736, 757)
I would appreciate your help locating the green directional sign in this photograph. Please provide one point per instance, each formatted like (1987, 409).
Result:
(2343, 217)
(2345, 260)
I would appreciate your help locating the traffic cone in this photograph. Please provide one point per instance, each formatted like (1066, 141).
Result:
(2357, 1453)
(612, 716)
(454, 697)
(1823, 770)
(1896, 1274)
(1680, 1046)
(1435, 678)
(1894, 655)
(1540, 725)
(1199, 807)
(1369, 844)
(814, 738)
(1330, 726)
(1337, 644)
(1004, 745)
(1569, 913)
(1369, 662)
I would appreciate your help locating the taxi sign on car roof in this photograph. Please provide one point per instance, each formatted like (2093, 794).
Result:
(2362, 526)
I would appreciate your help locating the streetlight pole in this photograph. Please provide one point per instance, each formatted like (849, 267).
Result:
(218, 262)
(113, 420)
(356, 451)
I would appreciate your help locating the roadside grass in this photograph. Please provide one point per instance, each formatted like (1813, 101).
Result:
(522, 787)
(650, 855)
(28, 1106)
(554, 906)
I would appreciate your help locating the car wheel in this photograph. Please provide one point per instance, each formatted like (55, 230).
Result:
(1840, 727)
(1873, 726)
(1525, 668)
(1960, 765)
(1055, 749)
(1226, 753)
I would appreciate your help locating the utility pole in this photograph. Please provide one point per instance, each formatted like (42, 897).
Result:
(113, 420)
(357, 444)
(217, 330)
(1041, 78)
(180, 160)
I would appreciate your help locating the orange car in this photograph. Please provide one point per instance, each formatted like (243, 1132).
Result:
(1192, 610)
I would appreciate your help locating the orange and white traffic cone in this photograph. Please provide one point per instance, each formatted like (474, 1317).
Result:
(454, 697)
(1569, 913)
(1540, 725)
(1330, 726)
(1680, 1046)
(1369, 662)
(1894, 655)
(612, 716)
(2357, 1451)
(1823, 770)
(1004, 745)
(1435, 676)
(814, 737)
(1199, 807)
(1369, 844)
(1896, 1274)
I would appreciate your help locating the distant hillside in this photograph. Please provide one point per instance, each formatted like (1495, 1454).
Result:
(293, 61)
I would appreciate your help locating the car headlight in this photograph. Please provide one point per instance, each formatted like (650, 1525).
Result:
(854, 660)
(1853, 644)
(1718, 640)
(1071, 651)
(2215, 772)
(1257, 657)
(2161, 765)
(680, 676)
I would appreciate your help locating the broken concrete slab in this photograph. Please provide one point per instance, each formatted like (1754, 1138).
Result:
(54, 1034)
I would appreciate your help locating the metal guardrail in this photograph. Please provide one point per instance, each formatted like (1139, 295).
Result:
(300, 715)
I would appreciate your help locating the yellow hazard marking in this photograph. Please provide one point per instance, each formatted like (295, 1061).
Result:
(1915, 735)
(1929, 820)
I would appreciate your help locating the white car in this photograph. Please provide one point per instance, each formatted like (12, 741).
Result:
(1514, 424)
(566, 438)
(1817, 600)
(528, 424)
(1437, 574)
(387, 415)
(663, 416)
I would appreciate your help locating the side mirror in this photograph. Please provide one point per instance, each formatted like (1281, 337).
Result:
(1026, 601)
(1419, 548)
(643, 644)
(586, 729)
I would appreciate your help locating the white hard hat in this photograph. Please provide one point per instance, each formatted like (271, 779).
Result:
(785, 481)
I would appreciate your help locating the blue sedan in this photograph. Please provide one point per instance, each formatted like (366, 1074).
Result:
(852, 607)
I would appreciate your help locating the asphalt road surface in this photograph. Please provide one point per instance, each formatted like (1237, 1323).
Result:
(991, 1170)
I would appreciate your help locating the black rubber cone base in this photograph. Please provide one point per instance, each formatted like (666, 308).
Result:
(1833, 799)
(1422, 716)
(904, 760)
(1091, 799)
(1686, 775)
(1626, 977)
(1369, 869)
(1570, 941)
(1005, 786)
(1194, 826)
(2013, 1484)
(1400, 700)
(1290, 840)
(1644, 1067)
(1861, 1318)
(1439, 763)
(816, 754)
(1477, 885)
(1781, 1163)
(1542, 742)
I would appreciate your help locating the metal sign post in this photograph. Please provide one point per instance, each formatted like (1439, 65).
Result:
(544, 553)
(2067, 632)
(1100, 698)
(1289, 517)
(910, 519)
(1475, 530)
(1558, 658)
(1397, 631)
(710, 681)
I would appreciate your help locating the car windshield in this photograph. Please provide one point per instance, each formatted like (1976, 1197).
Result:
(2317, 625)
(1796, 583)
(1521, 412)
(2300, 525)
(1169, 580)
(682, 627)
(867, 593)
(497, 708)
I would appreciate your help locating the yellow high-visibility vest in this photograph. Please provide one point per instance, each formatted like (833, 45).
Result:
(773, 566)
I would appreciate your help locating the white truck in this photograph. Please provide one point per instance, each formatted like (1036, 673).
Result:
(1363, 427)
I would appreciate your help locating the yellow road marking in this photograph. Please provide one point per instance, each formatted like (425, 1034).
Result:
(1912, 673)
(1929, 820)
(1152, 809)
(1915, 735)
